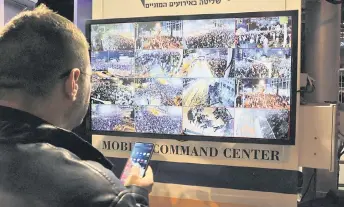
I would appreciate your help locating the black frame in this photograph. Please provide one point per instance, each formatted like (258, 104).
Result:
(294, 55)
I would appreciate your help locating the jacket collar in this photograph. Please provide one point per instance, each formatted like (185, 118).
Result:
(15, 115)
(43, 132)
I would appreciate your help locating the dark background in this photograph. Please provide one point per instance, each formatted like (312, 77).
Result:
(63, 7)
(66, 8)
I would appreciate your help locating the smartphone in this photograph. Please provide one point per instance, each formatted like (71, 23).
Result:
(140, 157)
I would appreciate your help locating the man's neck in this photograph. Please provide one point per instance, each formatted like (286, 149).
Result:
(41, 113)
(13, 105)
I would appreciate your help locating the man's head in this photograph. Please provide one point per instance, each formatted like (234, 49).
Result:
(44, 67)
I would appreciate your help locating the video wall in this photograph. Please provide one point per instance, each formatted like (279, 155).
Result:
(212, 78)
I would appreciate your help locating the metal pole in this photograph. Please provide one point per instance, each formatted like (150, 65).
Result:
(322, 62)
(322, 52)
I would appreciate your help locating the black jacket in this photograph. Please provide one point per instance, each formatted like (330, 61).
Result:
(42, 165)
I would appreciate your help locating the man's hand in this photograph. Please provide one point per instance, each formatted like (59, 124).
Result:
(135, 179)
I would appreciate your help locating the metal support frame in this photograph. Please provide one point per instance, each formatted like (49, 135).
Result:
(322, 61)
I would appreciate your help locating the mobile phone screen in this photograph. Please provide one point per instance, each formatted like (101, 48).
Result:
(140, 156)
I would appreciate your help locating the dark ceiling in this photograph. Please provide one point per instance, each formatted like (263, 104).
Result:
(63, 7)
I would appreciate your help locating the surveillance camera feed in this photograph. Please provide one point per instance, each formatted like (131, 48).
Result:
(213, 77)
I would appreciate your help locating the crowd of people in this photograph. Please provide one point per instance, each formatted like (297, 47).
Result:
(261, 100)
(168, 61)
(110, 90)
(106, 123)
(281, 68)
(217, 38)
(167, 94)
(265, 128)
(197, 117)
(123, 67)
(104, 66)
(158, 56)
(104, 90)
(118, 42)
(113, 42)
(214, 94)
(275, 124)
(218, 66)
(265, 35)
(100, 65)
(245, 69)
(279, 122)
(146, 122)
(251, 68)
(159, 42)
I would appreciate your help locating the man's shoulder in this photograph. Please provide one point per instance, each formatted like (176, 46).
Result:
(40, 174)
(56, 151)
(59, 160)
(43, 165)
(84, 182)
(59, 171)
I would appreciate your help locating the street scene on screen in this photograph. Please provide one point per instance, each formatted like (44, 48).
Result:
(112, 118)
(118, 91)
(100, 61)
(208, 92)
(264, 32)
(121, 63)
(208, 121)
(159, 35)
(159, 92)
(260, 63)
(158, 119)
(114, 63)
(207, 63)
(109, 37)
(158, 63)
(262, 123)
(263, 93)
(210, 33)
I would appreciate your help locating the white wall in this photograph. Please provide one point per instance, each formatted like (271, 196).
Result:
(12, 9)
(82, 12)
(2, 15)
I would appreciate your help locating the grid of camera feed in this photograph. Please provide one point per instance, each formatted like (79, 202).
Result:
(213, 77)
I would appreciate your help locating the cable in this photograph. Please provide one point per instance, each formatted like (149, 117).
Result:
(307, 89)
(341, 151)
(340, 133)
(341, 145)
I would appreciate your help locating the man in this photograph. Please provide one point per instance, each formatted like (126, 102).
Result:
(44, 92)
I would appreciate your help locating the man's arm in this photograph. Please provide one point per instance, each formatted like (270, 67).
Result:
(125, 198)
(130, 196)
(59, 178)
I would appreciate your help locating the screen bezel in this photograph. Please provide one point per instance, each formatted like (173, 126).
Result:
(294, 68)
(131, 154)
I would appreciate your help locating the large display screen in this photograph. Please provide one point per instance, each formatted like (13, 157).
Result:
(212, 78)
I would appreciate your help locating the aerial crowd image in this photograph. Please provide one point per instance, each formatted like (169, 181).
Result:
(207, 77)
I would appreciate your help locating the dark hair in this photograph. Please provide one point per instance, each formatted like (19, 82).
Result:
(36, 47)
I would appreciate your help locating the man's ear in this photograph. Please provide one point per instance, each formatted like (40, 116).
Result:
(71, 84)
